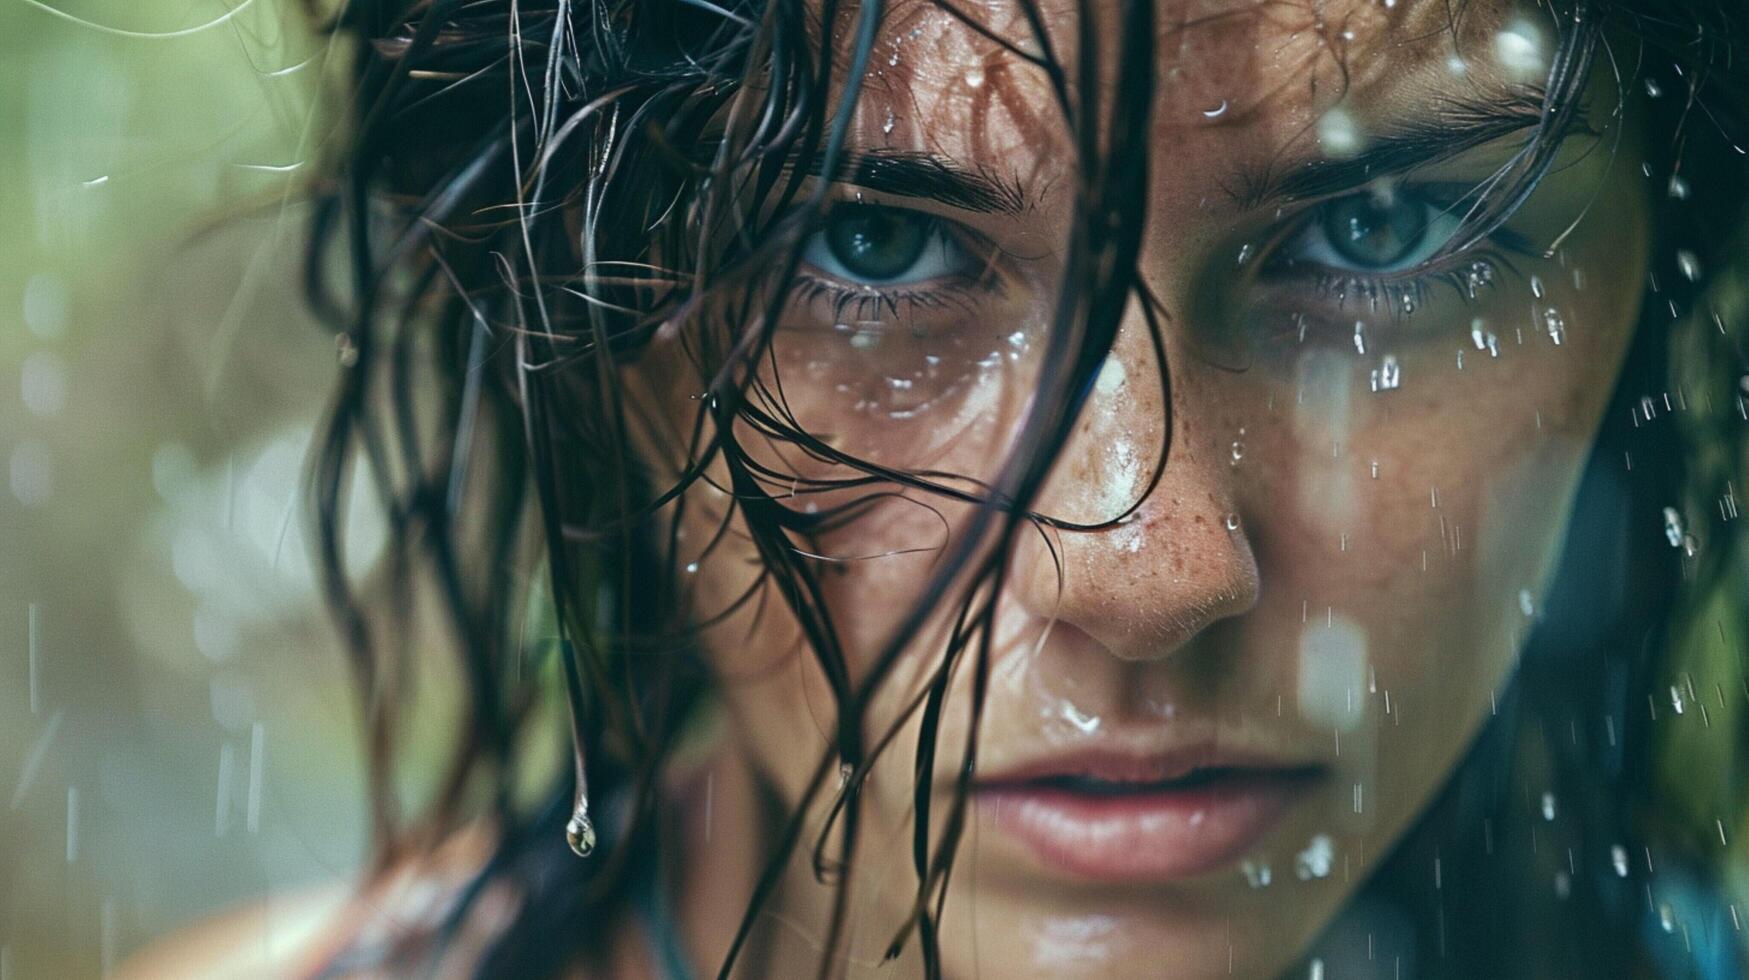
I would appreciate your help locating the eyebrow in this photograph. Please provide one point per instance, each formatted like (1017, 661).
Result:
(906, 173)
(1453, 127)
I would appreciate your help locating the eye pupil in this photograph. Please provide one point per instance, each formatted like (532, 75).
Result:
(1373, 233)
(876, 243)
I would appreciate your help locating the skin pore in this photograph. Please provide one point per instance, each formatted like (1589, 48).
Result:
(1368, 480)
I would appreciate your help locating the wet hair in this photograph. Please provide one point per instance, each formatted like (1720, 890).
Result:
(531, 191)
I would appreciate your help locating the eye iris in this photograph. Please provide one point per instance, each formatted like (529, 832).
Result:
(1373, 233)
(876, 243)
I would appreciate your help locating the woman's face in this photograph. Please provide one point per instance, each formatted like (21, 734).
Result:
(1207, 722)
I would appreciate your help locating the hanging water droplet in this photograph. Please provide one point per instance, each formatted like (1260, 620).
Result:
(1555, 324)
(888, 123)
(1238, 451)
(1315, 860)
(1388, 375)
(692, 568)
(1407, 302)
(1548, 806)
(1493, 345)
(1678, 702)
(1678, 188)
(1256, 875)
(866, 337)
(1245, 252)
(1618, 857)
(1536, 286)
(1479, 333)
(1359, 337)
(1667, 917)
(1653, 89)
(580, 831)
(1689, 545)
(1689, 263)
(1674, 528)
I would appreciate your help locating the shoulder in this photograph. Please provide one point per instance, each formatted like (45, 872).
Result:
(297, 934)
(275, 937)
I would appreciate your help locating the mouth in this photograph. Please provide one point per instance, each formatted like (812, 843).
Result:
(1139, 820)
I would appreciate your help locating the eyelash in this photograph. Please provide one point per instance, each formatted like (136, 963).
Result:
(869, 301)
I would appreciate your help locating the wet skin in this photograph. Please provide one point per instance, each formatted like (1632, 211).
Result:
(1323, 593)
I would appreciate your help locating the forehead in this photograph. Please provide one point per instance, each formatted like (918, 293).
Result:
(1259, 71)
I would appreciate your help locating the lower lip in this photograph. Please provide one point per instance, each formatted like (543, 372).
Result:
(1146, 836)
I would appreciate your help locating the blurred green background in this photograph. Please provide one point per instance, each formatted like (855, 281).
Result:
(176, 732)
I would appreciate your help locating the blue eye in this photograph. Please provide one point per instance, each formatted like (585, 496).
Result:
(1373, 232)
(871, 245)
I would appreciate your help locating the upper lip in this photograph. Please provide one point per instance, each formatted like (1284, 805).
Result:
(1119, 765)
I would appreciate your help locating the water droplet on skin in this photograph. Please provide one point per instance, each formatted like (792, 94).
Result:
(1548, 806)
(1526, 603)
(1375, 469)
(975, 78)
(1689, 545)
(1563, 884)
(1216, 112)
(692, 568)
(888, 123)
(1238, 451)
(1536, 286)
(1232, 522)
(865, 339)
(1359, 337)
(1689, 263)
(1519, 49)
(1315, 860)
(1479, 276)
(346, 350)
(1387, 376)
(1678, 189)
(1667, 917)
(1256, 875)
(1674, 528)
(1479, 333)
(1317, 970)
(1653, 89)
(1245, 252)
(1618, 856)
(1555, 324)
(1493, 345)
(1339, 135)
(1677, 702)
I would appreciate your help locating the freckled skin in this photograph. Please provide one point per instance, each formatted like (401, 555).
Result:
(1171, 622)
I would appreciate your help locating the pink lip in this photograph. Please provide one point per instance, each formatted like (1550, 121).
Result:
(1132, 825)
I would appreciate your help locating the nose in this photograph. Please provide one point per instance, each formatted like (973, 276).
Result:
(1182, 560)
